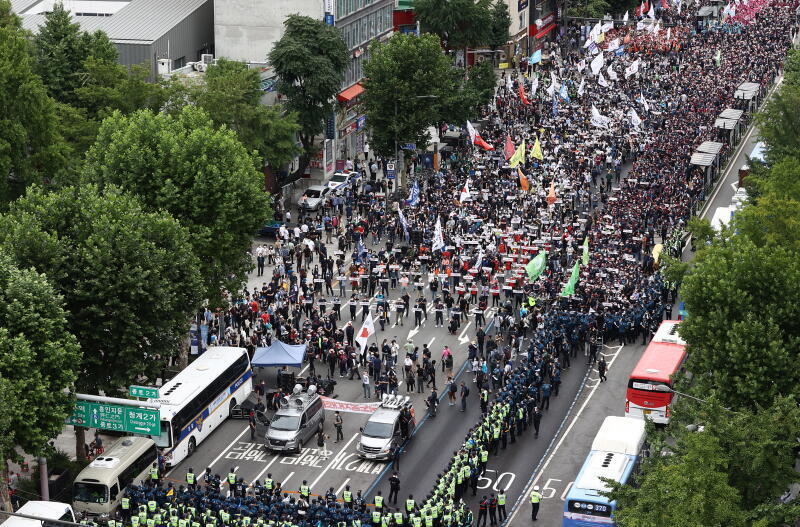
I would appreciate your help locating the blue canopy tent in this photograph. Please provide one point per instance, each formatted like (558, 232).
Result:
(279, 354)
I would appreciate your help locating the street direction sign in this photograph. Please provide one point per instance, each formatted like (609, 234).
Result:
(143, 391)
(115, 417)
(409, 146)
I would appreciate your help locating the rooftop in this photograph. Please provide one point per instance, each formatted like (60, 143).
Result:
(125, 21)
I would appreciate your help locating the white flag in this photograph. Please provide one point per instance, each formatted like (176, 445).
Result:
(599, 120)
(472, 133)
(633, 69)
(554, 81)
(639, 25)
(596, 31)
(597, 63)
(582, 65)
(611, 73)
(608, 26)
(551, 90)
(534, 87)
(625, 18)
(509, 84)
(367, 330)
(613, 45)
(588, 41)
(602, 80)
(643, 101)
(464, 192)
(580, 88)
(652, 12)
(438, 238)
(669, 33)
(680, 2)
(635, 121)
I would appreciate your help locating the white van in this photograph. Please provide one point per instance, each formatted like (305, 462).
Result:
(99, 487)
(51, 510)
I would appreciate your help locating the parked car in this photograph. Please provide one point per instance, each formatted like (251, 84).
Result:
(342, 180)
(313, 197)
(270, 229)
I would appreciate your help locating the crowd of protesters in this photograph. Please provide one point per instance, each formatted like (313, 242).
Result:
(614, 169)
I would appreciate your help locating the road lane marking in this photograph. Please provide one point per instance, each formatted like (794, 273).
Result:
(339, 491)
(334, 460)
(225, 451)
(285, 480)
(540, 471)
(274, 458)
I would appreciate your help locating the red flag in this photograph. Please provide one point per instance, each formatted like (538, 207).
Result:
(664, 4)
(509, 149)
(522, 93)
(483, 144)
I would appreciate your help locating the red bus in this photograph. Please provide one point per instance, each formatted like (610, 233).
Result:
(649, 391)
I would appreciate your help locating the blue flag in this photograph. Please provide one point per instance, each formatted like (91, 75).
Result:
(555, 106)
(536, 58)
(563, 92)
(404, 223)
(361, 250)
(413, 196)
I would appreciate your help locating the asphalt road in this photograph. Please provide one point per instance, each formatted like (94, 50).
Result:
(556, 472)
(337, 464)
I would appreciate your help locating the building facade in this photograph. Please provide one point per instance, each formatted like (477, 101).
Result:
(144, 31)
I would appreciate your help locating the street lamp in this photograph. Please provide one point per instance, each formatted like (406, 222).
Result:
(396, 151)
(663, 388)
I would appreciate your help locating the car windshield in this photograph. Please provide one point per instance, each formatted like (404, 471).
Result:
(90, 492)
(380, 430)
(339, 178)
(285, 422)
(311, 193)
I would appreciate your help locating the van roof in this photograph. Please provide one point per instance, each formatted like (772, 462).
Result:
(385, 415)
(52, 510)
(294, 407)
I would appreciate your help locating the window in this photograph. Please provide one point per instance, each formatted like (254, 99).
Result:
(145, 460)
(203, 399)
(114, 492)
(179, 62)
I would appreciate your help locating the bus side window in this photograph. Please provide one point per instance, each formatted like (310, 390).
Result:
(114, 492)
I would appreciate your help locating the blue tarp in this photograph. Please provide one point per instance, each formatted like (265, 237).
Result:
(279, 354)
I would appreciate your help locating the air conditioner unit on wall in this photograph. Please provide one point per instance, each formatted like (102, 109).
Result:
(206, 58)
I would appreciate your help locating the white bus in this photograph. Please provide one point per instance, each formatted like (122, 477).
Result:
(197, 400)
(100, 486)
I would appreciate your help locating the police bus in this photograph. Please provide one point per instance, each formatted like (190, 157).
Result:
(197, 400)
(615, 455)
(99, 488)
(649, 392)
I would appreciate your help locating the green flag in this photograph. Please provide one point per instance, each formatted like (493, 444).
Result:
(569, 289)
(536, 266)
(718, 57)
(586, 251)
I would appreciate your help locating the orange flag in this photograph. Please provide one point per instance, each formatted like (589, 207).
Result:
(523, 181)
(551, 196)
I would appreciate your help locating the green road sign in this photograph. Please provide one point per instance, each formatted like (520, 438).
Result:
(115, 417)
(143, 391)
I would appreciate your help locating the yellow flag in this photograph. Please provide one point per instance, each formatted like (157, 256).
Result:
(519, 156)
(536, 153)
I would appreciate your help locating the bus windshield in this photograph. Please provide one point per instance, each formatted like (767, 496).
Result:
(164, 440)
(90, 492)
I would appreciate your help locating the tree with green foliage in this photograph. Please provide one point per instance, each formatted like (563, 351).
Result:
(689, 489)
(128, 277)
(199, 173)
(408, 81)
(231, 95)
(60, 52)
(743, 301)
(458, 23)
(8, 18)
(31, 150)
(107, 87)
(589, 9)
(778, 124)
(771, 222)
(482, 80)
(500, 24)
(309, 60)
(39, 358)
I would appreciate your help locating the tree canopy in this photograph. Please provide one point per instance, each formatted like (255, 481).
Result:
(31, 149)
(231, 95)
(457, 23)
(39, 358)
(199, 173)
(309, 60)
(128, 276)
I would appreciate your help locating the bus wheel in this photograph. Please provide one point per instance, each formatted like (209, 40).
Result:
(192, 446)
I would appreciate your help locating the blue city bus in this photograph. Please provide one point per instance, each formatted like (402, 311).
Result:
(614, 455)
